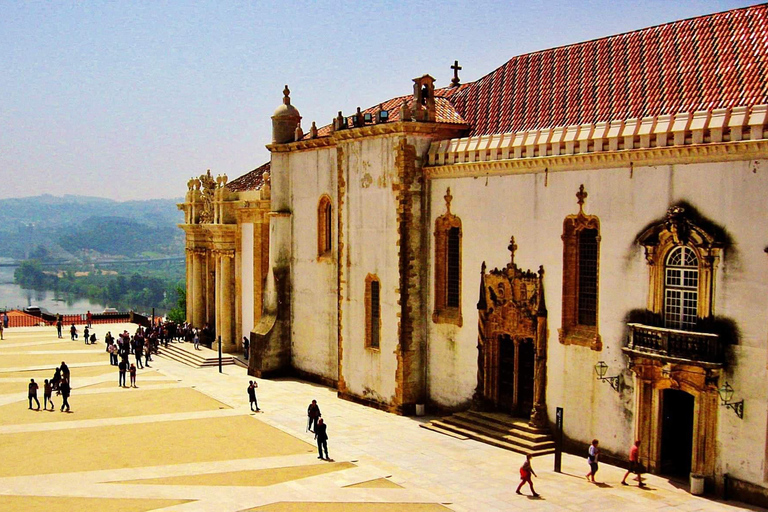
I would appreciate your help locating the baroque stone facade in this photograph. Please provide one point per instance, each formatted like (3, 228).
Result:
(355, 264)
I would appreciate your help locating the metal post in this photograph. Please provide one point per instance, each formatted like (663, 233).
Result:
(220, 354)
(153, 318)
(558, 439)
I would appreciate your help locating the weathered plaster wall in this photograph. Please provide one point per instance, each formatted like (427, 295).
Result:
(370, 224)
(246, 284)
(532, 207)
(314, 335)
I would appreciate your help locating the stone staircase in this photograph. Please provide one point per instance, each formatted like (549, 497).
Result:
(186, 354)
(496, 429)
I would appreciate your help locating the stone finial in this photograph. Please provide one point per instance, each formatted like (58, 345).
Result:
(512, 248)
(448, 198)
(298, 134)
(405, 112)
(313, 131)
(286, 95)
(581, 195)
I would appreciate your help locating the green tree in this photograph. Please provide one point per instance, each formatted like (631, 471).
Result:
(178, 314)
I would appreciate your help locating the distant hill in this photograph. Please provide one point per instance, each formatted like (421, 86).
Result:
(67, 227)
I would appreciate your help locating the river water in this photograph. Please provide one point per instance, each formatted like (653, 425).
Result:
(13, 296)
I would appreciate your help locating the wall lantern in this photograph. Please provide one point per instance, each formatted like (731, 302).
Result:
(601, 369)
(726, 393)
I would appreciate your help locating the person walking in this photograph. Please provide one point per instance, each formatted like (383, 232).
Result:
(313, 413)
(56, 379)
(73, 332)
(594, 454)
(147, 355)
(5, 319)
(112, 349)
(132, 371)
(252, 396)
(89, 318)
(32, 395)
(246, 344)
(526, 470)
(634, 465)
(65, 372)
(47, 391)
(139, 351)
(121, 372)
(2, 327)
(59, 325)
(321, 434)
(197, 340)
(86, 335)
(64, 389)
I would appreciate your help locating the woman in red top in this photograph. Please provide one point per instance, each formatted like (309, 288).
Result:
(525, 476)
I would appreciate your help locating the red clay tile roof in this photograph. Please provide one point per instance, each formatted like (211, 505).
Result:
(714, 61)
(444, 111)
(252, 180)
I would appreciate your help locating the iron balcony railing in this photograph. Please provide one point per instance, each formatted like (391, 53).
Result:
(674, 343)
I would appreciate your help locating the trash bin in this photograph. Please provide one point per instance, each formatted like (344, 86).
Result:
(419, 409)
(697, 484)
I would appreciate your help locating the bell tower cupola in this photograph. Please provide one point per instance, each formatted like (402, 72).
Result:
(285, 121)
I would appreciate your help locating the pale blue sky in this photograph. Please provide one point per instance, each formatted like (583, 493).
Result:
(127, 100)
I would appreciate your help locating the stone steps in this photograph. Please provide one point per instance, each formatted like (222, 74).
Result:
(496, 429)
(203, 358)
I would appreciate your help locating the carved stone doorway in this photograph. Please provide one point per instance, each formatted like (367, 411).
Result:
(676, 432)
(512, 350)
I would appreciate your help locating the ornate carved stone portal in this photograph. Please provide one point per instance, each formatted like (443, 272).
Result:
(512, 341)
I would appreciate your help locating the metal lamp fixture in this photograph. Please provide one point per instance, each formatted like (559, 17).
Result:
(601, 369)
(726, 393)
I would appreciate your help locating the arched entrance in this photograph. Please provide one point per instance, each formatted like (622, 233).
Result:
(676, 432)
(512, 351)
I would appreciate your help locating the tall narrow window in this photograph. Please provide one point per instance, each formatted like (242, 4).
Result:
(324, 226)
(372, 312)
(588, 277)
(447, 267)
(681, 289)
(581, 271)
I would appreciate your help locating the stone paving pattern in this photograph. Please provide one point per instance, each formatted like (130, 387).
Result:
(186, 440)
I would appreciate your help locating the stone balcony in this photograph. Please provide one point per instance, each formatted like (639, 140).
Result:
(673, 345)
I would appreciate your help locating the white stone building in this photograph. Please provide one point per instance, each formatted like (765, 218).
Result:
(619, 185)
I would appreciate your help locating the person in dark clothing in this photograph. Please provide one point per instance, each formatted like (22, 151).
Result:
(246, 344)
(138, 351)
(252, 396)
(122, 367)
(58, 327)
(313, 412)
(73, 332)
(86, 335)
(65, 371)
(65, 390)
(33, 393)
(47, 392)
(56, 379)
(322, 438)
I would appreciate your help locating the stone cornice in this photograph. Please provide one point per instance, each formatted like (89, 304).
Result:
(437, 130)
(719, 152)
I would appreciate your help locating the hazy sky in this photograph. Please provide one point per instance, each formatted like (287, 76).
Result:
(128, 100)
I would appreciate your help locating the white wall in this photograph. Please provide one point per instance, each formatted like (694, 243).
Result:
(493, 209)
(246, 276)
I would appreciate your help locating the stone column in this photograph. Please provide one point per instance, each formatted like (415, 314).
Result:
(190, 272)
(198, 276)
(225, 311)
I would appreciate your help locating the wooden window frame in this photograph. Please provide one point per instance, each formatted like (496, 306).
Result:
(372, 325)
(324, 227)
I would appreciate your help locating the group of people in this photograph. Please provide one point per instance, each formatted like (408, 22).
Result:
(593, 455)
(59, 383)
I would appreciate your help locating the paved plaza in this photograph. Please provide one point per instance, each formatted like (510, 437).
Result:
(186, 440)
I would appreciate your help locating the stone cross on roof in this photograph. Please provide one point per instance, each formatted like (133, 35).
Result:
(455, 80)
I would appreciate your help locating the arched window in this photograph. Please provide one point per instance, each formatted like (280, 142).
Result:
(681, 289)
(581, 272)
(324, 226)
(372, 312)
(447, 267)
